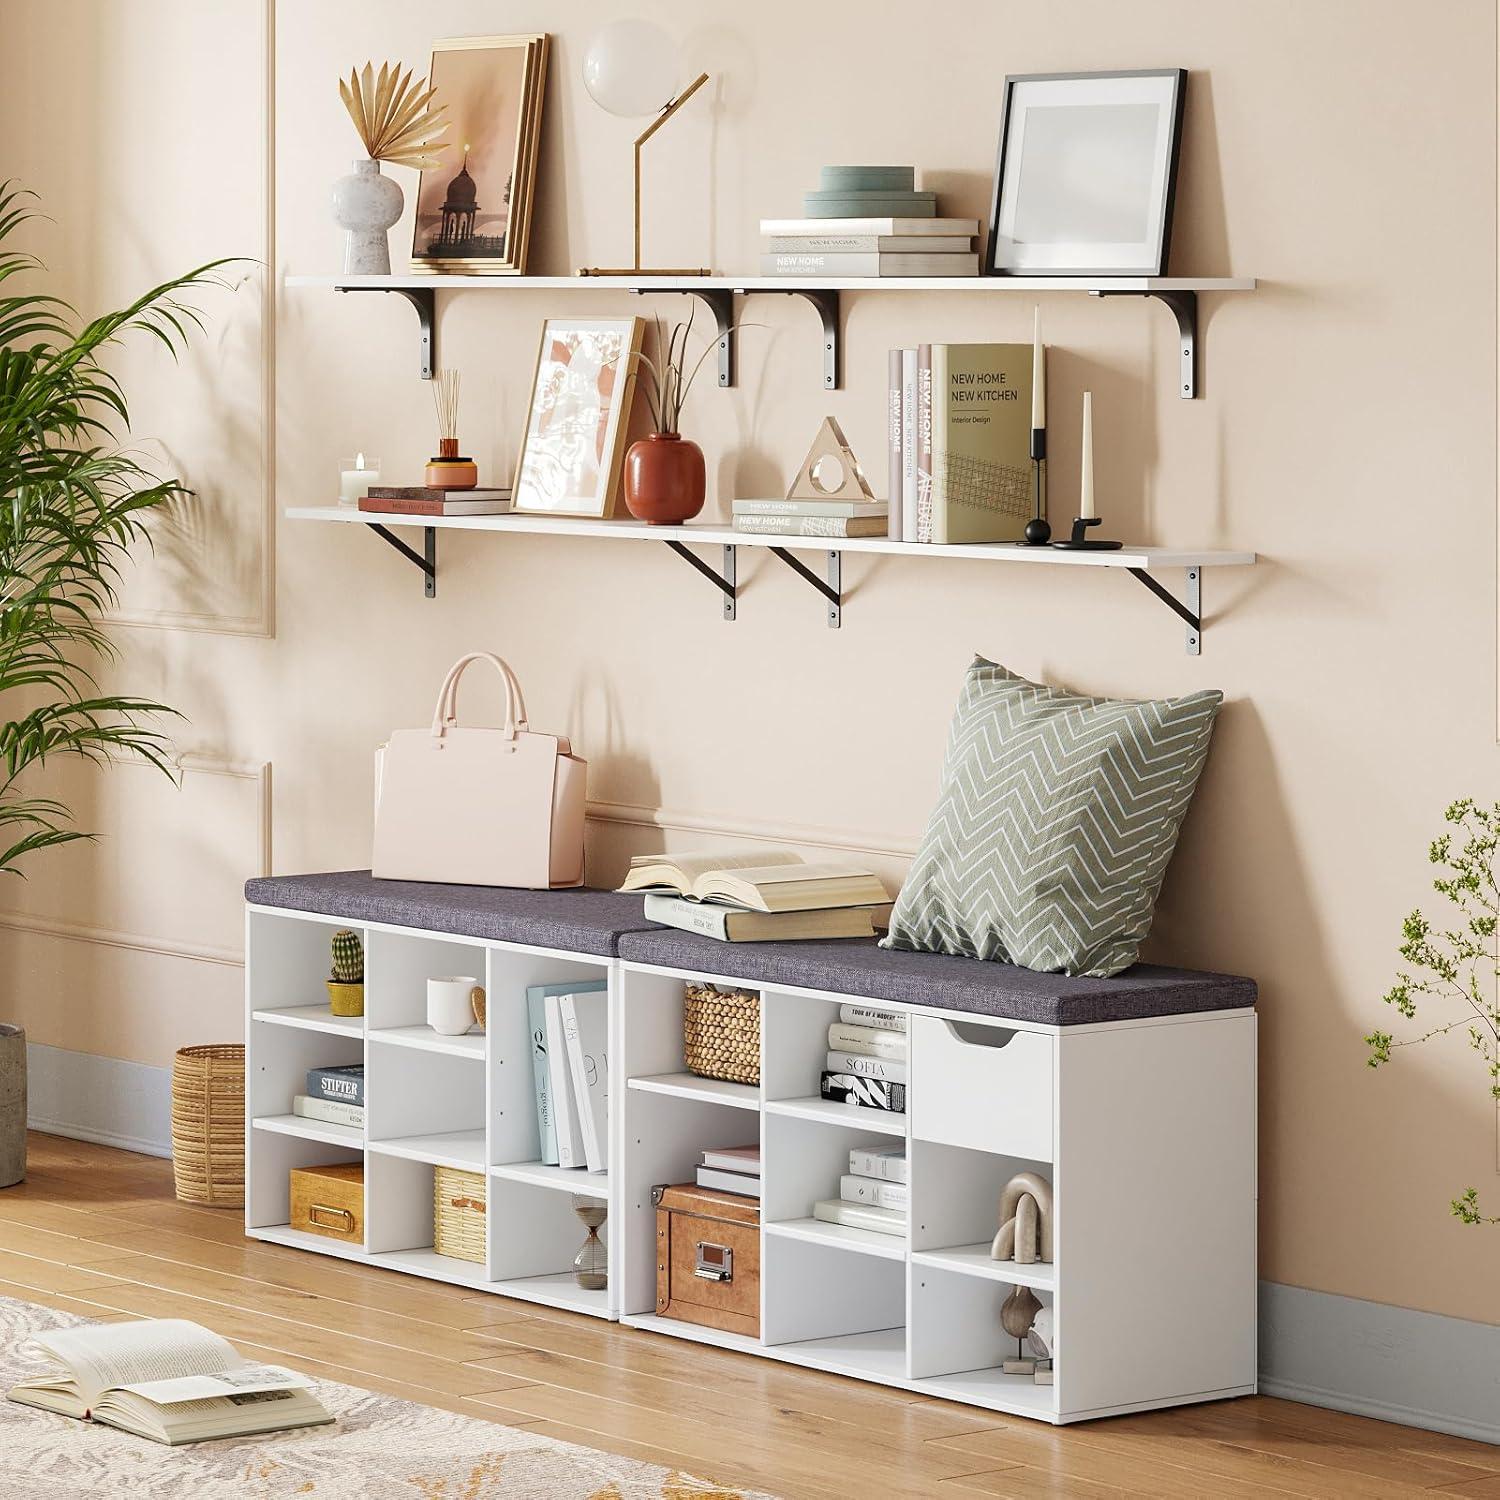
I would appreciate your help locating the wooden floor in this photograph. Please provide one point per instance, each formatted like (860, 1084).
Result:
(97, 1232)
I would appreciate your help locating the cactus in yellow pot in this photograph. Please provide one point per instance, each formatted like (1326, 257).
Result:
(346, 984)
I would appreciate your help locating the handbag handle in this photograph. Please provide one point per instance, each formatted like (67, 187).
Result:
(446, 713)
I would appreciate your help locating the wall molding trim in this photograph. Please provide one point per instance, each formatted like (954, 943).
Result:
(636, 815)
(107, 1100)
(1391, 1363)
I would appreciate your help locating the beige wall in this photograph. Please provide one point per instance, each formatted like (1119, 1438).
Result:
(1341, 150)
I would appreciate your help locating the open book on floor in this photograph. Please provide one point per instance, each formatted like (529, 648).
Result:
(168, 1380)
(768, 882)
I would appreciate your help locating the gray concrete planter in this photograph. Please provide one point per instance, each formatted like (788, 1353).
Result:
(12, 1105)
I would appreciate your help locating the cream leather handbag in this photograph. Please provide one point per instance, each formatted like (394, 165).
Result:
(479, 806)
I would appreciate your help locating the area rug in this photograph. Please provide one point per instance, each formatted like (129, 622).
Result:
(379, 1448)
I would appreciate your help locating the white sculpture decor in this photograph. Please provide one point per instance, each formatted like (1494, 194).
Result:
(1025, 1234)
(1042, 1342)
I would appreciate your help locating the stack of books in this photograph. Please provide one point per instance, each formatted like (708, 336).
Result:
(734, 1169)
(960, 423)
(760, 897)
(811, 517)
(335, 1095)
(872, 1194)
(866, 1061)
(424, 500)
(569, 1025)
(869, 221)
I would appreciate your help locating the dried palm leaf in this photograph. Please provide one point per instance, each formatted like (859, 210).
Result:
(394, 116)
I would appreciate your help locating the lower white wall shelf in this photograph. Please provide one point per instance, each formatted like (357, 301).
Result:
(1142, 563)
(1146, 1129)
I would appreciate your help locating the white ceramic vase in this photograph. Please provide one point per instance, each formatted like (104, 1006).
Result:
(365, 205)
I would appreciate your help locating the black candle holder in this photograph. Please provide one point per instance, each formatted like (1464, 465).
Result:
(1038, 533)
(1081, 542)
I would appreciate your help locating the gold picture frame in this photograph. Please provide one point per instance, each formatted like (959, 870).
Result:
(578, 418)
(474, 216)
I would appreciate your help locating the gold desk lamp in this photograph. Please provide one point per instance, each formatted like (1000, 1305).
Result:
(629, 68)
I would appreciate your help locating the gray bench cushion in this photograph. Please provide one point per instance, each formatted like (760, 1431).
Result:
(857, 966)
(578, 921)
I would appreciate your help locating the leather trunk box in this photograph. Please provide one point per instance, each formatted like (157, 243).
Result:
(330, 1201)
(708, 1258)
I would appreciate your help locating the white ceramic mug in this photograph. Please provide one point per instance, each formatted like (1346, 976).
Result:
(450, 1004)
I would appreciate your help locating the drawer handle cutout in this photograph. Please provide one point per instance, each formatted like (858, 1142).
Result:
(976, 1035)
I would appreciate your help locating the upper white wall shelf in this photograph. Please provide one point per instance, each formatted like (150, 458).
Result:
(1140, 562)
(1180, 293)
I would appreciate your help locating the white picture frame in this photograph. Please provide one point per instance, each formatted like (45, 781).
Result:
(1086, 173)
(577, 418)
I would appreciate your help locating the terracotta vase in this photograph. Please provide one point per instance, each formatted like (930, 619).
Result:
(664, 479)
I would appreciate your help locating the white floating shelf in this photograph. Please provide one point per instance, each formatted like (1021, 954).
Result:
(457, 1148)
(974, 1260)
(830, 1112)
(843, 1236)
(312, 1130)
(311, 1018)
(470, 1044)
(566, 1179)
(704, 1090)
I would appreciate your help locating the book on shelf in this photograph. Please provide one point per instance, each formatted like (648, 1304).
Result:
(875, 263)
(870, 224)
(826, 243)
(541, 1073)
(875, 1191)
(886, 1162)
(873, 1041)
(543, 1012)
(585, 1021)
(860, 1216)
(730, 924)
(870, 1015)
(744, 1159)
(167, 1380)
(829, 526)
(908, 490)
(329, 1111)
(479, 496)
(729, 1182)
(771, 881)
(344, 1083)
(893, 442)
(565, 1119)
(860, 508)
(863, 1065)
(975, 478)
(448, 507)
(868, 1093)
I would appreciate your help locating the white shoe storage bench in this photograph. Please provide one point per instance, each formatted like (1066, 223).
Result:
(1135, 1096)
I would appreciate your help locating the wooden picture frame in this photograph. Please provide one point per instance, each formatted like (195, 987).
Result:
(473, 213)
(578, 418)
(1090, 190)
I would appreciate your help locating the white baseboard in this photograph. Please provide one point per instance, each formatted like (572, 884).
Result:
(1391, 1363)
(101, 1099)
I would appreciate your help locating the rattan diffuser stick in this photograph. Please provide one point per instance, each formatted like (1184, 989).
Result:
(445, 400)
(449, 471)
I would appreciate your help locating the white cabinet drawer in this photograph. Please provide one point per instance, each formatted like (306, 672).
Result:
(983, 1086)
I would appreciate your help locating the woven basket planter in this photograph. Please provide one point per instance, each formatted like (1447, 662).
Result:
(721, 1033)
(208, 1125)
(458, 1216)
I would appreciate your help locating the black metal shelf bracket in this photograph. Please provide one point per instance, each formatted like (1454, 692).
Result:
(832, 590)
(827, 304)
(719, 301)
(1184, 305)
(724, 581)
(424, 299)
(1191, 611)
(426, 559)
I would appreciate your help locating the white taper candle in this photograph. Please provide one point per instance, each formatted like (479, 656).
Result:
(1038, 374)
(1086, 485)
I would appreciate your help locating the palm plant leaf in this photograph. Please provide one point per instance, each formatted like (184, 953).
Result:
(394, 117)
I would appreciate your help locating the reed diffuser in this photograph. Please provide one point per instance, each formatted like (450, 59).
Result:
(449, 470)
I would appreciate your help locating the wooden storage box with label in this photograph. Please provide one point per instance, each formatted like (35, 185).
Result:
(330, 1201)
(708, 1258)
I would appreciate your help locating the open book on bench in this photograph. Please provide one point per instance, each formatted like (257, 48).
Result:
(765, 881)
(168, 1380)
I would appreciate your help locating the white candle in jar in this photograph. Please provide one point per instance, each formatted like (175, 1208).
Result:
(1086, 486)
(355, 482)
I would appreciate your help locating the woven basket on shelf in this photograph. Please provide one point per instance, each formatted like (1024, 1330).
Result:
(458, 1213)
(721, 1033)
(208, 1125)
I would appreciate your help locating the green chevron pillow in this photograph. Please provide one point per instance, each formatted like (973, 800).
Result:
(1057, 816)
